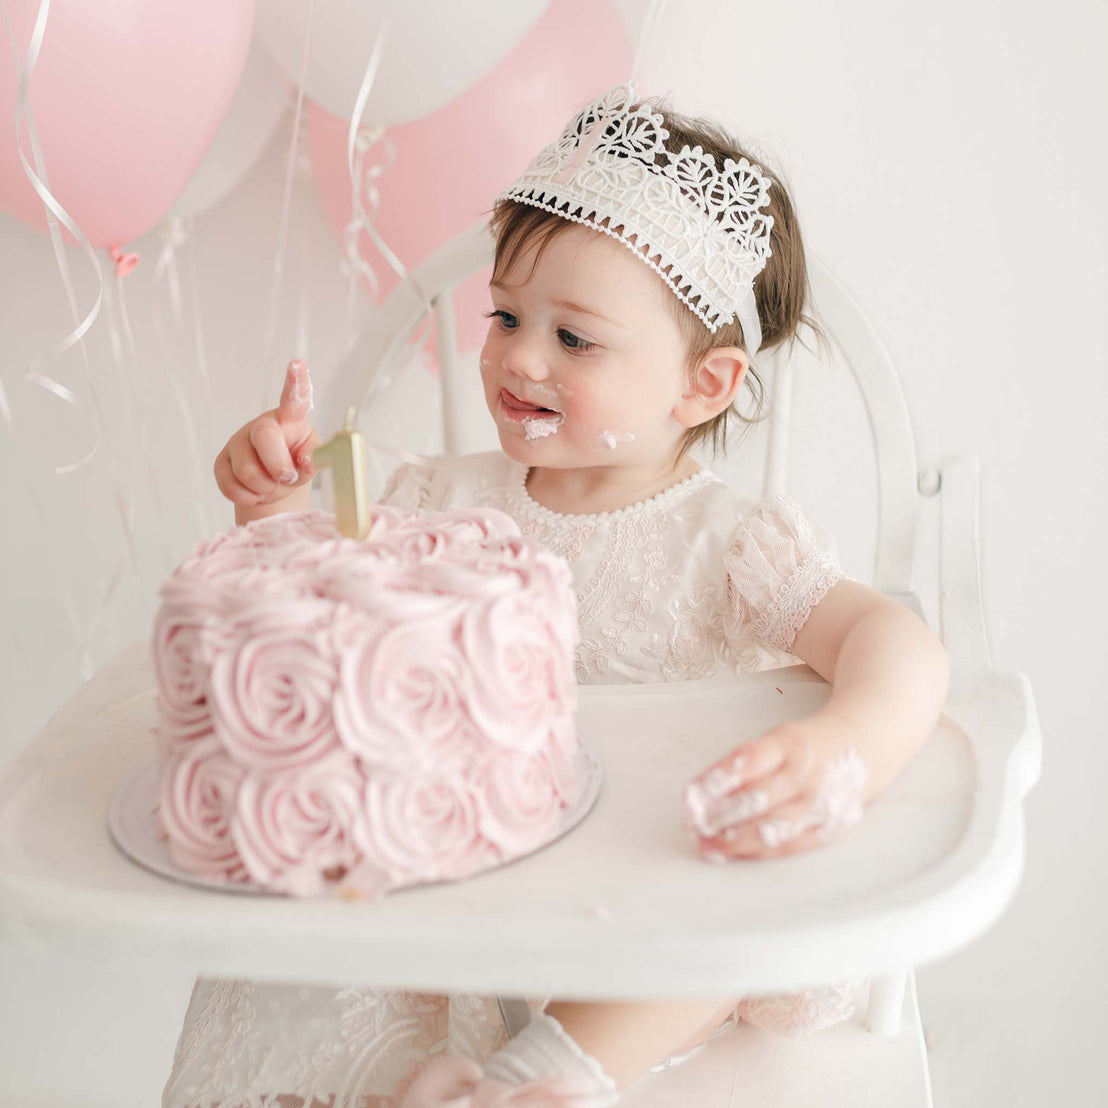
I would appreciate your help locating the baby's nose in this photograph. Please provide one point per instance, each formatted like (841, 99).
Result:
(526, 360)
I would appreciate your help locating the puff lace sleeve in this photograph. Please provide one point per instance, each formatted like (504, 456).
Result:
(409, 486)
(779, 567)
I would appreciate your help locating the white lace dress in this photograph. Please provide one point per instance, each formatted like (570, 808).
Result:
(695, 582)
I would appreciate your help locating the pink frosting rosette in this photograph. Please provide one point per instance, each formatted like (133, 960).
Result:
(526, 681)
(278, 532)
(418, 545)
(299, 830)
(456, 534)
(452, 576)
(425, 828)
(357, 575)
(181, 668)
(489, 524)
(405, 688)
(273, 685)
(540, 573)
(196, 797)
(522, 797)
(231, 578)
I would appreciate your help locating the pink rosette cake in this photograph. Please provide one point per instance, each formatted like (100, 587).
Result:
(364, 714)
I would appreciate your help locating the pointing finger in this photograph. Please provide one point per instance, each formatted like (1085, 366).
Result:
(273, 451)
(296, 396)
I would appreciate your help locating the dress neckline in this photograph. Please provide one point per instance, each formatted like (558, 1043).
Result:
(702, 476)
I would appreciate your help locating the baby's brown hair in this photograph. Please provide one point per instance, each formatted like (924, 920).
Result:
(781, 289)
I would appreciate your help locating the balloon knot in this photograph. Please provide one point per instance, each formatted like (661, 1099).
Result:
(124, 263)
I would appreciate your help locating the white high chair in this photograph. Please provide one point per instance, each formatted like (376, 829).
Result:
(618, 908)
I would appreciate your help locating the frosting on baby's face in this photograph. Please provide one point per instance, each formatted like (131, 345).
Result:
(584, 362)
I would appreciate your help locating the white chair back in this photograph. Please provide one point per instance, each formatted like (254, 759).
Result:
(430, 288)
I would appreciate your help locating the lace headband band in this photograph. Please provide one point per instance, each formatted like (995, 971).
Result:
(700, 228)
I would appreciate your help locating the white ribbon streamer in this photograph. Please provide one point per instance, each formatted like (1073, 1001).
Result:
(286, 202)
(54, 213)
(173, 235)
(356, 137)
(359, 142)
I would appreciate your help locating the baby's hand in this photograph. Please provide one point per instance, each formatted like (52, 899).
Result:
(266, 460)
(793, 788)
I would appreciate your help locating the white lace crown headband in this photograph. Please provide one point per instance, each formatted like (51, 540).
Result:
(700, 228)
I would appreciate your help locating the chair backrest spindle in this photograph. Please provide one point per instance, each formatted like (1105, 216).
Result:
(890, 427)
(446, 334)
(776, 474)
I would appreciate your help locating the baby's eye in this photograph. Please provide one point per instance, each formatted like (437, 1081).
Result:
(574, 342)
(507, 320)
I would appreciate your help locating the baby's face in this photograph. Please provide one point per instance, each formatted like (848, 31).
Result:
(584, 362)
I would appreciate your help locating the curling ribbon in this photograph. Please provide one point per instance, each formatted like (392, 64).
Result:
(197, 326)
(173, 235)
(356, 266)
(359, 140)
(358, 144)
(54, 213)
(286, 201)
(184, 413)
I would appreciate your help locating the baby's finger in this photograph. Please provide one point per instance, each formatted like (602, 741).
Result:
(268, 441)
(746, 803)
(302, 455)
(248, 470)
(296, 396)
(750, 762)
(786, 829)
(716, 781)
(229, 485)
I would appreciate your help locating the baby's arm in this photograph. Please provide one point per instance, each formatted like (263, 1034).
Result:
(888, 671)
(266, 466)
(796, 786)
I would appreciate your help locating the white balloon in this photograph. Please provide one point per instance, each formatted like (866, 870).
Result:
(433, 50)
(261, 99)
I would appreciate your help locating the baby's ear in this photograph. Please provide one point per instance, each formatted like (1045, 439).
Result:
(713, 385)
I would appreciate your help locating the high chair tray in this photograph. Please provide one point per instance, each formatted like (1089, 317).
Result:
(619, 907)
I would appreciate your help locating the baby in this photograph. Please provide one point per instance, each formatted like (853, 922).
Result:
(641, 262)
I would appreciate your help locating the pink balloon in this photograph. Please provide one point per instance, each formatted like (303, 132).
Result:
(451, 164)
(127, 96)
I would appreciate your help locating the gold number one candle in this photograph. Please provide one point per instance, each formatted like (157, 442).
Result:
(345, 454)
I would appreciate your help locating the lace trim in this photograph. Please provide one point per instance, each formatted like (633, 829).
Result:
(790, 609)
(661, 499)
(699, 227)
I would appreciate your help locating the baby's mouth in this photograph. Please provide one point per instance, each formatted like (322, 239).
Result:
(518, 410)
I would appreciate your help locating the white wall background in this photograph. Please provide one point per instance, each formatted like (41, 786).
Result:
(948, 162)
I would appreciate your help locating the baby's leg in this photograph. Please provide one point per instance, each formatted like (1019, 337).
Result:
(629, 1037)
